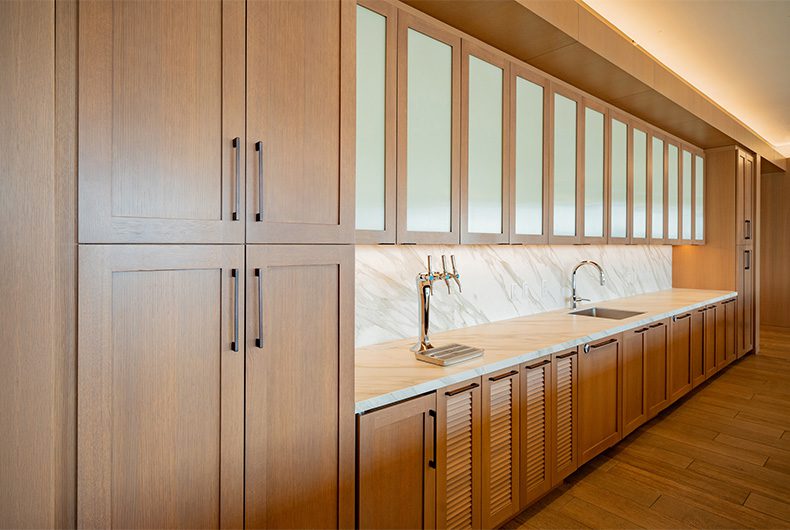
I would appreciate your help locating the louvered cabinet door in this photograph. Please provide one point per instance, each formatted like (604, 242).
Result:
(536, 421)
(565, 388)
(500, 446)
(458, 456)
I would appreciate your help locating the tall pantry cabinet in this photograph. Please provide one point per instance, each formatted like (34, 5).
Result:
(215, 267)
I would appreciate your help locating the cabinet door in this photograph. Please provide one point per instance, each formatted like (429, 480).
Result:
(376, 121)
(711, 320)
(564, 219)
(161, 114)
(744, 204)
(686, 198)
(593, 181)
(721, 335)
(429, 110)
(635, 344)
(300, 121)
(673, 193)
(485, 121)
(745, 288)
(618, 181)
(599, 397)
(529, 156)
(501, 444)
(160, 414)
(458, 456)
(565, 404)
(697, 347)
(699, 200)
(300, 355)
(680, 356)
(656, 364)
(658, 193)
(536, 427)
(396, 466)
(731, 333)
(638, 191)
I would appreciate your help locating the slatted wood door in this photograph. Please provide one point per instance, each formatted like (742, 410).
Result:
(680, 356)
(396, 473)
(711, 319)
(697, 347)
(565, 403)
(599, 397)
(160, 412)
(536, 428)
(656, 368)
(458, 479)
(161, 100)
(500, 448)
(300, 121)
(299, 394)
(635, 345)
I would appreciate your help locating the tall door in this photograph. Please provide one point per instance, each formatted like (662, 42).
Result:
(161, 114)
(635, 344)
(396, 472)
(299, 387)
(537, 420)
(698, 347)
(744, 205)
(745, 287)
(656, 362)
(565, 405)
(300, 121)
(599, 398)
(160, 409)
(680, 356)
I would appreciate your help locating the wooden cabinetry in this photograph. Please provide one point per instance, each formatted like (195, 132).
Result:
(396, 466)
(599, 396)
(537, 424)
(745, 304)
(594, 179)
(726, 332)
(744, 198)
(619, 201)
(161, 387)
(565, 158)
(680, 356)
(300, 121)
(565, 410)
(656, 367)
(709, 340)
(697, 363)
(635, 352)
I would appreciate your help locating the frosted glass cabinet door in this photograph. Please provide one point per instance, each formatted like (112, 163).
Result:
(594, 212)
(686, 195)
(657, 185)
(673, 193)
(376, 123)
(564, 218)
(484, 108)
(618, 183)
(638, 186)
(699, 199)
(528, 157)
(428, 133)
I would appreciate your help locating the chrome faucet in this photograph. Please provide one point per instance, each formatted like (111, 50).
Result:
(425, 288)
(576, 299)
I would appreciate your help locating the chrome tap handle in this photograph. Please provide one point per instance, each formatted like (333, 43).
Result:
(445, 274)
(456, 276)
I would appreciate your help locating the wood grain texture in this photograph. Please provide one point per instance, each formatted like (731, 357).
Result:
(774, 250)
(679, 378)
(657, 367)
(537, 427)
(600, 376)
(745, 303)
(634, 368)
(566, 415)
(697, 346)
(584, 184)
(32, 319)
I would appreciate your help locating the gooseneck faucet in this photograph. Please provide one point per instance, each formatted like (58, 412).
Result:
(576, 299)
(425, 287)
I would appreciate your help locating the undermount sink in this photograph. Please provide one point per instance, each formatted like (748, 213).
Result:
(604, 312)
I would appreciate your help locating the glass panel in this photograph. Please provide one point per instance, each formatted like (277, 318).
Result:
(699, 192)
(639, 229)
(529, 158)
(484, 175)
(593, 173)
(564, 166)
(619, 182)
(672, 192)
(657, 221)
(686, 195)
(371, 77)
(429, 127)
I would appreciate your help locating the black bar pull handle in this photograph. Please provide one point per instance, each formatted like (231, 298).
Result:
(235, 344)
(237, 148)
(538, 365)
(461, 390)
(588, 347)
(641, 330)
(259, 338)
(657, 325)
(259, 149)
(432, 462)
(503, 376)
(566, 355)
(681, 317)
(748, 255)
(747, 229)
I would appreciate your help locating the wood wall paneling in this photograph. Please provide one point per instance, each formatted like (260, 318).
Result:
(774, 250)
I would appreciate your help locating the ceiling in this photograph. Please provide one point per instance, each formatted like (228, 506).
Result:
(737, 52)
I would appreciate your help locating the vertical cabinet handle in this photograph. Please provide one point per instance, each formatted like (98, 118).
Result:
(259, 338)
(748, 255)
(432, 462)
(237, 147)
(259, 150)
(235, 344)
(747, 229)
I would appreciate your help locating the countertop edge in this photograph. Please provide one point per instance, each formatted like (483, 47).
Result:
(435, 384)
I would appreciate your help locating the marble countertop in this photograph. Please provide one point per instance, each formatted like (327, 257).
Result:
(387, 373)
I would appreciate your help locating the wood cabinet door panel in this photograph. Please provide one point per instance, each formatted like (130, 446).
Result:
(161, 98)
(536, 428)
(299, 375)
(745, 303)
(731, 330)
(656, 367)
(680, 356)
(697, 347)
(161, 393)
(300, 107)
(710, 325)
(396, 483)
(565, 404)
(599, 397)
(635, 344)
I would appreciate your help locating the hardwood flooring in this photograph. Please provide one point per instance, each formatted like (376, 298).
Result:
(719, 458)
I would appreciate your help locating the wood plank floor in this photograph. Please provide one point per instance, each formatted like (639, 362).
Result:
(720, 458)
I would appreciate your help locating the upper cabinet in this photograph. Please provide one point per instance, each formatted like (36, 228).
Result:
(639, 192)
(744, 206)
(376, 121)
(673, 193)
(429, 90)
(594, 178)
(161, 122)
(485, 119)
(564, 175)
(699, 199)
(618, 181)
(657, 206)
(686, 194)
(300, 121)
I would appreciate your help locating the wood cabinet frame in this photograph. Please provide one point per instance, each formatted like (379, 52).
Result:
(532, 492)
(635, 351)
(679, 344)
(614, 114)
(495, 58)
(657, 330)
(744, 198)
(598, 106)
(696, 152)
(681, 194)
(653, 133)
(390, 13)
(566, 419)
(667, 142)
(633, 125)
(423, 24)
(594, 413)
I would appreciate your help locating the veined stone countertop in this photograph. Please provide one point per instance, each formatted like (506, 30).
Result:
(387, 373)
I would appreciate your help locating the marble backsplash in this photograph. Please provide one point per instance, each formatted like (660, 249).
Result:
(498, 281)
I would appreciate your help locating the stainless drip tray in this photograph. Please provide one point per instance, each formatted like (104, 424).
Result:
(449, 354)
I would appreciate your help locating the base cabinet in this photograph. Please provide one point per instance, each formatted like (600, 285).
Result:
(599, 396)
(709, 340)
(635, 350)
(565, 409)
(745, 303)
(697, 347)
(679, 378)
(656, 367)
(537, 422)
(729, 348)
